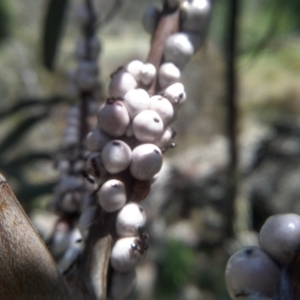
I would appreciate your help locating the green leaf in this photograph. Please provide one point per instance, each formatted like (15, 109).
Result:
(6, 17)
(20, 130)
(24, 104)
(27, 192)
(27, 159)
(53, 28)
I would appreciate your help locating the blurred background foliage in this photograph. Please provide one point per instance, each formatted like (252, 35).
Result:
(36, 56)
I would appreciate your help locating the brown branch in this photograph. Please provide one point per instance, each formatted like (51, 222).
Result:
(27, 270)
(168, 24)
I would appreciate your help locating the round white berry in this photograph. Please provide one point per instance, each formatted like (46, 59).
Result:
(130, 220)
(175, 94)
(96, 140)
(280, 237)
(147, 126)
(116, 156)
(121, 82)
(180, 47)
(129, 131)
(163, 107)
(112, 195)
(136, 101)
(134, 68)
(146, 161)
(113, 117)
(165, 141)
(147, 74)
(251, 272)
(168, 74)
(124, 256)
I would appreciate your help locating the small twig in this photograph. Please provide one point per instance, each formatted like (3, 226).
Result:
(85, 96)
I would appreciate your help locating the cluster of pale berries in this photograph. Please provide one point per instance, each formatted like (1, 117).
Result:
(133, 132)
(256, 273)
(71, 187)
(69, 190)
(72, 193)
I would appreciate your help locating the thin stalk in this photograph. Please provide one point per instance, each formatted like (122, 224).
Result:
(231, 100)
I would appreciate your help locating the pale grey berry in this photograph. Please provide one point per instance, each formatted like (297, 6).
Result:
(112, 195)
(168, 74)
(113, 117)
(116, 156)
(146, 161)
(88, 67)
(121, 82)
(122, 284)
(180, 47)
(72, 252)
(136, 101)
(251, 272)
(71, 137)
(280, 237)
(92, 45)
(61, 238)
(96, 140)
(70, 202)
(68, 183)
(130, 219)
(63, 166)
(82, 15)
(147, 126)
(195, 15)
(163, 107)
(73, 112)
(87, 73)
(124, 256)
